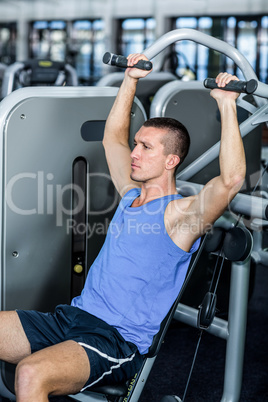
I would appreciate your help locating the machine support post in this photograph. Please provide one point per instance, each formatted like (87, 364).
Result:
(237, 321)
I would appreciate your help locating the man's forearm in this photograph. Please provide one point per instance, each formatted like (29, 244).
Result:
(118, 122)
(232, 155)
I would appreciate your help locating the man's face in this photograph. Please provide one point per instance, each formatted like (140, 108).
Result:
(148, 159)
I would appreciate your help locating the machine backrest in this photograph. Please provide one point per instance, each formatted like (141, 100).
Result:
(146, 88)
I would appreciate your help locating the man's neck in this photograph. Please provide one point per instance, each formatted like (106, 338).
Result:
(151, 192)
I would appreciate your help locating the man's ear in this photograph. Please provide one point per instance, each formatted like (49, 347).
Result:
(172, 161)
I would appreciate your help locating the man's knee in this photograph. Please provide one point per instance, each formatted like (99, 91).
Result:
(28, 376)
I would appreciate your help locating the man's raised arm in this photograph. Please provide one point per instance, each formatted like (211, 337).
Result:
(219, 192)
(116, 134)
(202, 210)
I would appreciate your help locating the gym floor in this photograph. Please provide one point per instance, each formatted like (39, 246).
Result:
(170, 372)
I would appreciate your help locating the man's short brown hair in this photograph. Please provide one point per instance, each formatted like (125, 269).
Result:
(177, 139)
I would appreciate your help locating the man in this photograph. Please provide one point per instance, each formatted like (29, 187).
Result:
(104, 334)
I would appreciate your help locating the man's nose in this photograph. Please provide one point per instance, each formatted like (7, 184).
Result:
(135, 153)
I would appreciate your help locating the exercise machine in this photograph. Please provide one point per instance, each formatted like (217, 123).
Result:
(2, 70)
(233, 329)
(166, 103)
(37, 73)
(57, 198)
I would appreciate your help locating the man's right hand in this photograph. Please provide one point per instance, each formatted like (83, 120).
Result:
(136, 73)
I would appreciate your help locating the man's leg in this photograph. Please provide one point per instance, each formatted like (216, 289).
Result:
(61, 369)
(14, 344)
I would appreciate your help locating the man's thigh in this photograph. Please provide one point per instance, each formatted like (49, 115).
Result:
(110, 357)
(14, 344)
(60, 369)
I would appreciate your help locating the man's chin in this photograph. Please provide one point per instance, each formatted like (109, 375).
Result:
(132, 176)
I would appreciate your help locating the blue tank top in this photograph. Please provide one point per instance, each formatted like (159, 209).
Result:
(138, 273)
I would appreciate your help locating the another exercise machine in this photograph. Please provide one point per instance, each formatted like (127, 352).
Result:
(37, 73)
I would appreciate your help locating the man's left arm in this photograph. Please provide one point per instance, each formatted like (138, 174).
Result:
(216, 195)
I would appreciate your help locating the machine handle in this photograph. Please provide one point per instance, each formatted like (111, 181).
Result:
(247, 87)
(121, 61)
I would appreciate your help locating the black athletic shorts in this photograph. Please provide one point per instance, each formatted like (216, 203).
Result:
(112, 359)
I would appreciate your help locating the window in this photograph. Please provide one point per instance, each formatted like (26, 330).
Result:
(48, 40)
(80, 43)
(86, 48)
(135, 35)
(263, 50)
(247, 34)
(193, 56)
(246, 42)
(8, 36)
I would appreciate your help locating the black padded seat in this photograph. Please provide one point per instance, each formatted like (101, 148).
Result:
(111, 390)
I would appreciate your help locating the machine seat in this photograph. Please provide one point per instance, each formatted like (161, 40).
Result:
(111, 390)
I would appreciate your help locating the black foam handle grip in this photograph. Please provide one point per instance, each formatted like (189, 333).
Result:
(121, 61)
(247, 87)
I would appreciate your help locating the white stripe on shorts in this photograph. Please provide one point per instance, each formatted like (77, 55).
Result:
(111, 359)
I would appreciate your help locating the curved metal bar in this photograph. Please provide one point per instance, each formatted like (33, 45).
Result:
(212, 43)
(246, 127)
(8, 78)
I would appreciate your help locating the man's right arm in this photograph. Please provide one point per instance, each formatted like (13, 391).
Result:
(116, 133)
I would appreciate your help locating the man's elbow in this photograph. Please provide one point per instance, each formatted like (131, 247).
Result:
(104, 142)
(107, 141)
(238, 182)
(234, 183)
